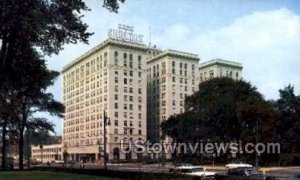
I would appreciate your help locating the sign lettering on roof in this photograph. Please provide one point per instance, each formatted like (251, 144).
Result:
(125, 33)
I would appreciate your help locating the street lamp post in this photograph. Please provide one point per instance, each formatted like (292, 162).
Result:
(106, 122)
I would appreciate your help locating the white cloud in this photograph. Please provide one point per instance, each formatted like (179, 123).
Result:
(266, 43)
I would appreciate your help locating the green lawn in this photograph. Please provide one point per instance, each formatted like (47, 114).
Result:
(44, 175)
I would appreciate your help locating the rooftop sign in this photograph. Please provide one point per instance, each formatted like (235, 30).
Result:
(125, 33)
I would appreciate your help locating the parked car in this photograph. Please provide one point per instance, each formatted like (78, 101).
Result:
(237, 164)
(250, 173)
(194, 171)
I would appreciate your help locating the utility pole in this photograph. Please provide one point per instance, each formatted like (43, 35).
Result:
(106, 122)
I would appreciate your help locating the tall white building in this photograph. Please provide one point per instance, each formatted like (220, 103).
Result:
(171, 76)
(111, 77)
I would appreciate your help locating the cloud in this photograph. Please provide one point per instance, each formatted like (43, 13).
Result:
(266, 43)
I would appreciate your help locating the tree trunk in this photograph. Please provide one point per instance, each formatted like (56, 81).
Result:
(21, 144)
(3, 53)
(28, 149)
(3, 149)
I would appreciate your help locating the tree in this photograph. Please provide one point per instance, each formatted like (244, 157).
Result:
(29, 78)
(287, 108)
(223, 110)
(41, 24)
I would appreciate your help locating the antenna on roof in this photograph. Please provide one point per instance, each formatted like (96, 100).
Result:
(149, 36)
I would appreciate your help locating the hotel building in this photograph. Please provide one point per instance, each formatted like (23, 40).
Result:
(111, 77)
(171, 76)
(137, 86)
(220, 68)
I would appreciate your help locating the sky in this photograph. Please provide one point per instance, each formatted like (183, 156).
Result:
(263, 35)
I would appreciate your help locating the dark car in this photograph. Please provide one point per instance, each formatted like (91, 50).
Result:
(250, 173)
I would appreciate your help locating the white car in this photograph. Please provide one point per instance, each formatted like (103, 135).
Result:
(194, 171)
(237, 164)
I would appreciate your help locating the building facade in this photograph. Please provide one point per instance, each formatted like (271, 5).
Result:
(111, 78)
(47, 153)
(171, 76)
(220, 68)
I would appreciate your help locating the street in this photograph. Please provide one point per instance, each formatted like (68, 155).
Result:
(285, 173)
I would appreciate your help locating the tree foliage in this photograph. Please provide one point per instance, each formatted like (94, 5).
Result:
(287, 108)
(29, 78)
(223, 110)
(26, 28)
(226, 109)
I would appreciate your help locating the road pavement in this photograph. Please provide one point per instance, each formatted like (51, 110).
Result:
(284, 173)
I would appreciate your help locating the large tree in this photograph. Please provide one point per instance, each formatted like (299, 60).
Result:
(223, 110)
(30, 79)
(45, 25)
(287, 108)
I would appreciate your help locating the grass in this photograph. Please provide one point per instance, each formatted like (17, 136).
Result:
(46, 175)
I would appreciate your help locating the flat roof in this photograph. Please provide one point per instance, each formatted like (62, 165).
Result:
(109, 41)
(175, 53)
(221, 62)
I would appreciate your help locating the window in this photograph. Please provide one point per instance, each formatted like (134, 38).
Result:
(116, 97)
(116, 123)
(116, 58)
(116, 105)
(125, 80)
(125, 123)
(116, 114)
(130, 106)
